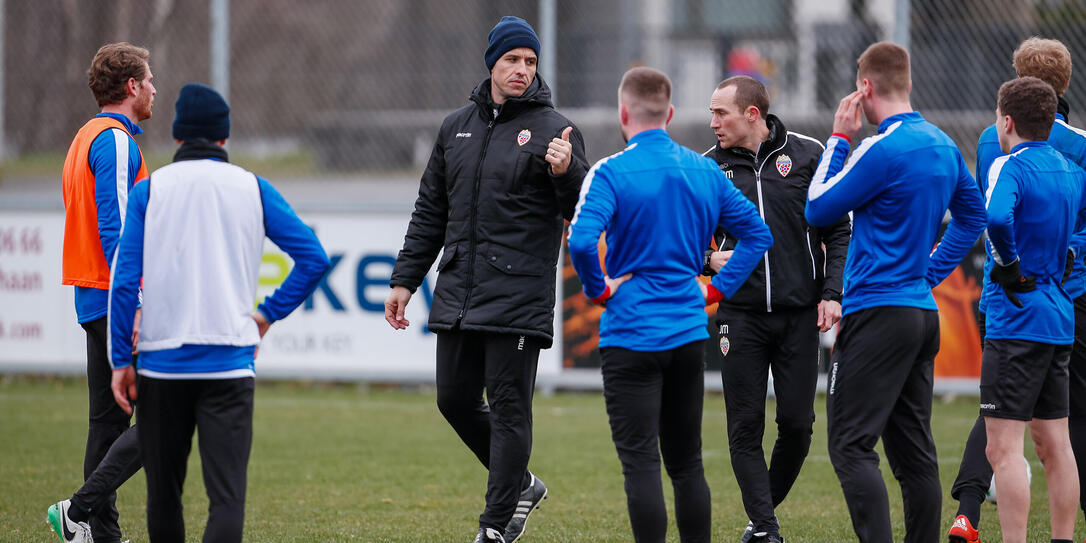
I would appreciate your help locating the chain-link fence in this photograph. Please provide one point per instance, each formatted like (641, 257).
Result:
(361, 86)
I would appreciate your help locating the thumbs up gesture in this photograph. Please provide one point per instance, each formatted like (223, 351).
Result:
(559, 152)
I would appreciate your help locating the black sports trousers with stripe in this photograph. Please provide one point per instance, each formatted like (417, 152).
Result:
(880, 386)
(498, 430)
(786, 342)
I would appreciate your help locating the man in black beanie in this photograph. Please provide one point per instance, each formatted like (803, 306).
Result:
(504, 172)
(196, 247)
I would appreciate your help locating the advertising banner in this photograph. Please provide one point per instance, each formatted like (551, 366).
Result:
(957, 297)
(338, 333)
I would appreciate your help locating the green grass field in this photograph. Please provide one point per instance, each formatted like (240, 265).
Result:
(357, 463)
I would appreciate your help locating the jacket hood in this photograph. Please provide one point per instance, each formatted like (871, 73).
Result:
(538, 94)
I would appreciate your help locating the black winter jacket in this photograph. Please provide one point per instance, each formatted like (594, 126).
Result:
(489, 200)
(776, 180)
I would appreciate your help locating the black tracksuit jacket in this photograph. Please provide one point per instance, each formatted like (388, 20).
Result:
(799, 272)
(489, 200)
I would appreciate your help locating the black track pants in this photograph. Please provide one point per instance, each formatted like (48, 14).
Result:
(221, 410)
(654, 404)
(786, 342)
(498, 430)
(880, 386)
(107, 422)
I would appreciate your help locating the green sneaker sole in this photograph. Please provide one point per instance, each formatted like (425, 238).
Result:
(53, 518)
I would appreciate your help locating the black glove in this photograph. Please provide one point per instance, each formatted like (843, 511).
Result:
(1070, 265)
(1011, 279)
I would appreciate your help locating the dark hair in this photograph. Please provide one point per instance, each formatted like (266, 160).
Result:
(646, 93)
(1031, 104)
(113, 65)
(886, 66)
(748, 92)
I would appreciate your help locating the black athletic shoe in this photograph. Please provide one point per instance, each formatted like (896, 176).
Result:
(529, 501)
(748, 532)
(489, 535)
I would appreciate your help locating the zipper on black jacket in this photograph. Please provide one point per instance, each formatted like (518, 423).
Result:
(474, 214)
(761, 211)
(810, 251)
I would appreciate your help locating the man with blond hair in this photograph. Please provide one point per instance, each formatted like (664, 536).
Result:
(898, 184)
(103, 163)
(1050, 61)
(652, 332)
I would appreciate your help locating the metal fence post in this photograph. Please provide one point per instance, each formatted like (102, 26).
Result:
(901, 22)
(548, 21)
(220, 47)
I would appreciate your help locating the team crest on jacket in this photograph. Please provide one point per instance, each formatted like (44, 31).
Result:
(784, 165)
(725, 345)
(524, 137)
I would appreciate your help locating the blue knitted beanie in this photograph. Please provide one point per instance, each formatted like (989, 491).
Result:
(510, 33)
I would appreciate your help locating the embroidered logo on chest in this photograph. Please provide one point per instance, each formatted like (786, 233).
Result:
(524, 137)
(784, 165)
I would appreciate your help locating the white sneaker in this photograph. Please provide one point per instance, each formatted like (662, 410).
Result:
(69, 531)
(489, 535)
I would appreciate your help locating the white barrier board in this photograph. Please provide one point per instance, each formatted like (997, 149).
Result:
(338, 333)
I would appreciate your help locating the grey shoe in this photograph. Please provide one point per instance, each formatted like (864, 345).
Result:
(489, 535)
(529, 501)
(748, 532)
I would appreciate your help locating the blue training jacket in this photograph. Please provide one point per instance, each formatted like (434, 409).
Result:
(103, 159)
(660, 203)
(899, 184)
(1069, 141)
(1035, 196)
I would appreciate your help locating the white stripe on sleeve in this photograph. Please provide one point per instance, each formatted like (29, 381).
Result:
(588, 183)
(818, 188)
(1078, 131)
(806, 137)
(120, 140)
(993, 178)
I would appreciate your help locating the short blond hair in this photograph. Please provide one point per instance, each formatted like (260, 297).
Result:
(1047, 60)
(886, 66)
(646, 93)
